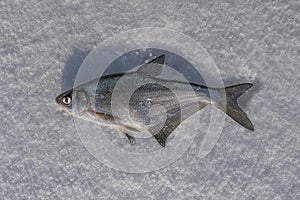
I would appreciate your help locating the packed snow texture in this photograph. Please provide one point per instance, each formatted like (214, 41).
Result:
(42, 43)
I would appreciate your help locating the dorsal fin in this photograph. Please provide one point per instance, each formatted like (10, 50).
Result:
(152, 68)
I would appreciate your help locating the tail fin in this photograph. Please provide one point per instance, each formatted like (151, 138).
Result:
(232, 108)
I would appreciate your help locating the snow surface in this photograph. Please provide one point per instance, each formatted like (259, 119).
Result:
(43, 42)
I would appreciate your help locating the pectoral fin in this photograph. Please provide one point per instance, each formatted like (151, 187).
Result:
(101, 115)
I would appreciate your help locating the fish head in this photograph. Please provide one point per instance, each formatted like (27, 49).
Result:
(64, 100)
(74, 100)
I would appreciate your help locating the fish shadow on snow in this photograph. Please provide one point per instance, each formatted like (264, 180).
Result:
(71, 67)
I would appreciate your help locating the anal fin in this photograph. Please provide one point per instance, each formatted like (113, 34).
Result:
(162, 131)
(162, 136)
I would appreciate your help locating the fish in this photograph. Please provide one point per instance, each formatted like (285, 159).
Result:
(175, 101)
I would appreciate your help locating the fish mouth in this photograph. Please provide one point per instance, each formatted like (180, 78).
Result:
(58, 99)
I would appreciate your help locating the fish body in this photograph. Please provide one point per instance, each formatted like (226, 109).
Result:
(141, 101)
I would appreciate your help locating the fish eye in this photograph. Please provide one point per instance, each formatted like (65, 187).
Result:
(67, 100)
